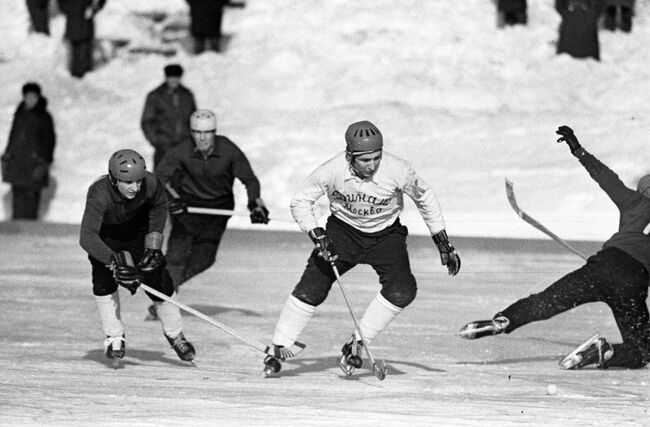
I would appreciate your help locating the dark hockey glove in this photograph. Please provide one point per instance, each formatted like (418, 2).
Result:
(569, 137)
(177, 207)
(125, 273)
(448, 255)
(259, 213)
(324, 247)
(152, 260)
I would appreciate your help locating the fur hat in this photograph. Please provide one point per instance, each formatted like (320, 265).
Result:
(31, 87)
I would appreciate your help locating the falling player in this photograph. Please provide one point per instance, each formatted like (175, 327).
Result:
(365, 187)
(617, 275)
(124, 217)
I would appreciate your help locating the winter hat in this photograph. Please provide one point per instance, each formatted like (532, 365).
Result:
(31, 87)
(173, 70)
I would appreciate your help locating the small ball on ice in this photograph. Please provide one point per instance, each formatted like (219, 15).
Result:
(551, 389)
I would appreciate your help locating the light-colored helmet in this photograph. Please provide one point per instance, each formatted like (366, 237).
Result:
(363, 137)
(643, 186)
(203, 120)
(127, 165)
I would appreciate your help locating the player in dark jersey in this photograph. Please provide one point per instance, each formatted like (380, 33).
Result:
(124, 218)
(617, 275)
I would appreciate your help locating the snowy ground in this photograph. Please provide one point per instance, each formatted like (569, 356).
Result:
(54, 371)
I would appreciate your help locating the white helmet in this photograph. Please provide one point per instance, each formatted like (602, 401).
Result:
(203, 120)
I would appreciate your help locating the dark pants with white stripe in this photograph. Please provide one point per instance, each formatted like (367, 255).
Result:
(385, 251)
(611, 276)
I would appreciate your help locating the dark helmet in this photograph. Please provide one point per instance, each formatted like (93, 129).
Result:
(363, 137)
(127, 165)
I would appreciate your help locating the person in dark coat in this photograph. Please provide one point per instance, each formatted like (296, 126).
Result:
(166, 116)
(80, 32)
(512, 12)
(206, 17)
(617, 275)
(579, 27)
(29, 153)
(618, 14)
(39, 16)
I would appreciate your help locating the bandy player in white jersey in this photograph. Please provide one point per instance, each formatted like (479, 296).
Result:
(366, 187)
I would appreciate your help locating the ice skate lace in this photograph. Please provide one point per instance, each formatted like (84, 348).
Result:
(180, 343)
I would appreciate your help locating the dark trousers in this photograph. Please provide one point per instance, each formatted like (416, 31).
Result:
(26, 201)
(611, 276)
(81, 60)
(193, 244)
(103, 281)
(385, 251)
(201, 43)
(618, 17)
(39, 15)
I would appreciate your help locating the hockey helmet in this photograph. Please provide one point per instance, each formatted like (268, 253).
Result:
(127, 165)
(643, 186)
(203, 120)
(363, 137)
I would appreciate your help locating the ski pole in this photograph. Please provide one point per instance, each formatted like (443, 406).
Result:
(378, 366)
(296, 348)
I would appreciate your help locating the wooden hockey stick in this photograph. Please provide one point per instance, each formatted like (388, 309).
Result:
(510, 192)
(378, 366)
(296, 348)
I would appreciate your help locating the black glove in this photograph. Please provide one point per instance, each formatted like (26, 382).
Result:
(177, 207)
(152, 260)
(324, 247)
(448, 255)
(569, 137)
(259, 213)
(125, 273)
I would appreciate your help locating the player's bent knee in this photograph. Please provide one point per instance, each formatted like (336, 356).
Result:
(400, 298)
(310, 297)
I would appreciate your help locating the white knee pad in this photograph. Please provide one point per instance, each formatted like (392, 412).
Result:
(170, 317)
(108, 308)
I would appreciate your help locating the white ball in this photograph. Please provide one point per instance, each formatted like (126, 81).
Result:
(551, 389)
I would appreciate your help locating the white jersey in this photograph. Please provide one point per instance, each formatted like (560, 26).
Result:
(371, 204)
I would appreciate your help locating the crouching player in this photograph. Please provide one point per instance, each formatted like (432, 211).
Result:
(123, 220)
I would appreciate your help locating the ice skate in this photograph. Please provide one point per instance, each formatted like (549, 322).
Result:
(484, 328)
(183, 348)
(595, 350)
(272, 366)
(152, 313)
(114, 349)
(351, 356)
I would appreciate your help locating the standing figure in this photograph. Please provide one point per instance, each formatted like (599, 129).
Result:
(365, 186)
(512, 12)
(578, 34)
(30, 152)
(202, 173)
(166, 116)
(123, 221)
(618, 14)
(206, 18)
(39, 15)
(617, 275)
(80, 32)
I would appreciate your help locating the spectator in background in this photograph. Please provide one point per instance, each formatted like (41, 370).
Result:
(29, 153)
(511, 12)
(39, 16)
(206, 17)
(166, 116)
(80, 32)
(618, 14)
(579, 27)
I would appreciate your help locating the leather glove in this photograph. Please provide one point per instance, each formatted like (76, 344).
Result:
(448, 255)
(152, 260)
(259, 213)
(324, 248)
(569, 137)
(177, 207)
(125, 273)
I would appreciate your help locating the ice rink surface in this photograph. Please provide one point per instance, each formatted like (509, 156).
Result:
(55, 373)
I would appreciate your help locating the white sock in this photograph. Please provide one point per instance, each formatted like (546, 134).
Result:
(108, 308)
(170, 317)
(294, 317)
(378, 315)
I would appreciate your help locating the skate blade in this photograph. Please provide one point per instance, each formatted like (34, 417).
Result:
(269, 372)
(471, 331)
(572, 359)
(116, 363)
(347, 369)
(380, 369)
